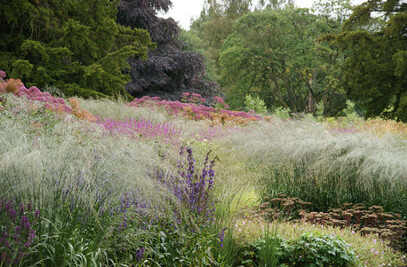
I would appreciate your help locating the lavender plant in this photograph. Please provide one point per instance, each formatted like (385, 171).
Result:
(148, 234)
(17, 232)
(191, 186)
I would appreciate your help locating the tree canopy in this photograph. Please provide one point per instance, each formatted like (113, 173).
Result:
(169, 69)
(275, 54)
(76, 46)
(374, 40)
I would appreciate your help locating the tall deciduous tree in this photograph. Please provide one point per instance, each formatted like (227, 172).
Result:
(274, 4)
(169, 69)
(275, 53)
(374, 40)
(215, 24)
(74, 45)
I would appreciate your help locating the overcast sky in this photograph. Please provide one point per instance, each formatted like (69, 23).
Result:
(183, 10)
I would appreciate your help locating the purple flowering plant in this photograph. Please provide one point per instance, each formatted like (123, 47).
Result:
(143, 128)
(191, 186)
(17, 233)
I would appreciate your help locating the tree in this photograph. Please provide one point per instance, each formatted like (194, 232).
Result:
(74, 45)
(215, 24)
(169, 70)
(374, 40)
(274, 4)
(275, 54)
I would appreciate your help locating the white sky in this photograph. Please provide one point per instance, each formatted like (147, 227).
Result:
(183, 10)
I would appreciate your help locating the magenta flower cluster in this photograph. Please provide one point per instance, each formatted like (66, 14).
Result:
(3, 75)
(198, 112)
(35, 94)
(16, 231)
(142, 128)
(219, 101)
(193, 98)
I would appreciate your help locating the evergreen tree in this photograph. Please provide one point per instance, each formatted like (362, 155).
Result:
(75, 45)
(374, 40)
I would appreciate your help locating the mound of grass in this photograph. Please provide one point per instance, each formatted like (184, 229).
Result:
(303, 159)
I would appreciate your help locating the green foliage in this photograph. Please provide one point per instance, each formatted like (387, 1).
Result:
(282, 113)
(268, 248)
(274, 4)
(320, 109)
(350, 111)
(69, 44)
(176, 247)
(318, 250)
(256, 104)
(192, 42)
(21, 68)
(374, 72)
(335, 10)
(310, 249)
(215, 24)
(274, 54)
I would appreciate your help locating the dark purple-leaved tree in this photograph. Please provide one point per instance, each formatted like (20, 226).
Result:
(169, 70)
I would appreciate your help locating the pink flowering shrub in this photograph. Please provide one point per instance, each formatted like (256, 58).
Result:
(33, 93)
(3, 75)
(196, 111)
(193, 98)
(220, 103)
(142, 129)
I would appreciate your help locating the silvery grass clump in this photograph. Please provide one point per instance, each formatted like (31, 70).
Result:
(76, 175)
(118, 110)
(303, 159)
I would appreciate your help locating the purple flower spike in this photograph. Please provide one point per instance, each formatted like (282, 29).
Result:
(140, 254)
(191, 187)
(12, 215)
(8, 205)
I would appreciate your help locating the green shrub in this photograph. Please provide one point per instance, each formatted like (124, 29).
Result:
(256, 104)
(317, 250)
(311, 249)
(282, 113)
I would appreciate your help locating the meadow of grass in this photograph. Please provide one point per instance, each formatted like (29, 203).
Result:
(305, 159)
(102, 183)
